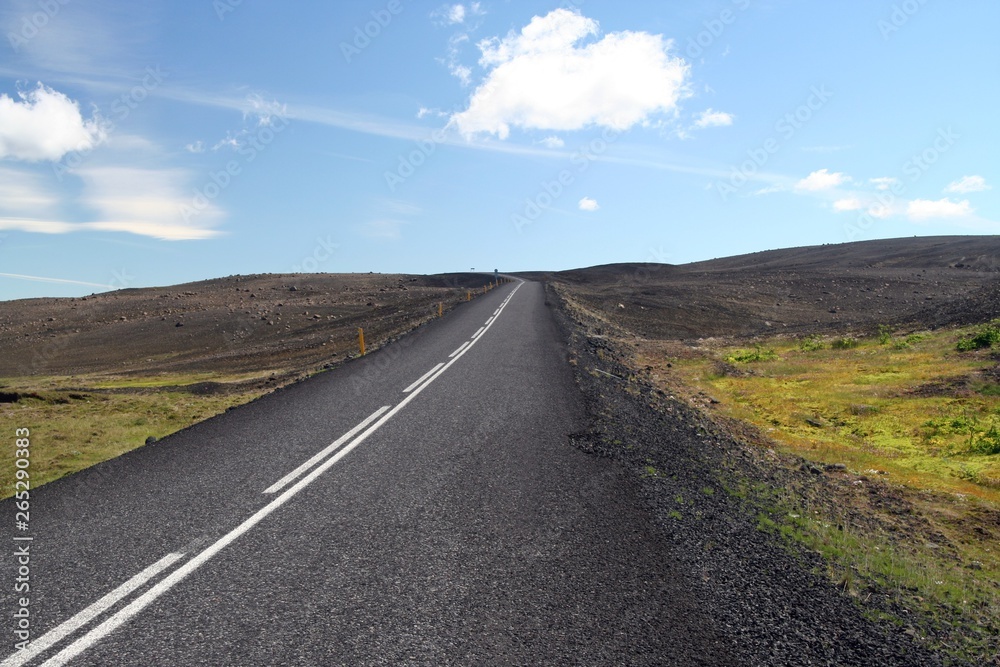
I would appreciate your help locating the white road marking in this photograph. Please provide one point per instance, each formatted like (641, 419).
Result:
(422, 378)
(122, 616)
(481, 330)
(66, 628)
(489, 320)
(281, 483)
(460, 348)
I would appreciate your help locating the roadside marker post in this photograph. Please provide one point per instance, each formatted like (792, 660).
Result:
(468, 296)
(361, 340)
(440, 309)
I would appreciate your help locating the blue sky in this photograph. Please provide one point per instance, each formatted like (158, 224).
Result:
(156, 143)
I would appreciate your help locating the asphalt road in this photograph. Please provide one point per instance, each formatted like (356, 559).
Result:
(454, 523)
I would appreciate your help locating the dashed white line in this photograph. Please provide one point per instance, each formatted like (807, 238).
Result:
(422, 378)
(489, 320)
(122, 616)
(281, 483)
(66, 628)
(460, 348)
(481, 330)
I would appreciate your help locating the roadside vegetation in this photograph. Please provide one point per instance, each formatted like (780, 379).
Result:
(901, 433)
(76, 422)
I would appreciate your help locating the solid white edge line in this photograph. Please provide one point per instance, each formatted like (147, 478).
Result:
(460, 348)
(481, 330)
(281, 483)
(489, 320)
(422, 378)
(71, 625)
(126, 613)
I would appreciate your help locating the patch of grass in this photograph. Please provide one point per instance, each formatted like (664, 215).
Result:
(758, 353)
(811, 343)
(650, 471)
(985, 337)
(74, 429)
(846, 343)
(872, 410)
(958, 607)
(884, 334)
(903, 414)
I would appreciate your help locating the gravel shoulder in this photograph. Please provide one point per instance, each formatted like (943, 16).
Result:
(773, 604)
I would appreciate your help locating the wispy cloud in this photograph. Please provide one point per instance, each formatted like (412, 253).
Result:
(61, 281)
(588, 204)
(883, 182)
(968, 184)
(713, 118)
(146, 202)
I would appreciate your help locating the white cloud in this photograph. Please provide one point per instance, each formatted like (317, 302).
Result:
(968, 184)
(44, 125)
(543, 78)
(553, 142)
(883, 182)
(196, 147)
(712, 118)
(457, 13)
(821, 180)
(848, 204)
(588, 204)
(423, 112)
(926, 209)
(461, 72)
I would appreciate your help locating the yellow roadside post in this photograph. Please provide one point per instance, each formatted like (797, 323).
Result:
(440, 309)
(468, 296)
(361, 340)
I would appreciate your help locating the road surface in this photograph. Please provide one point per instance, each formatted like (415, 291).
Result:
(421, 505)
